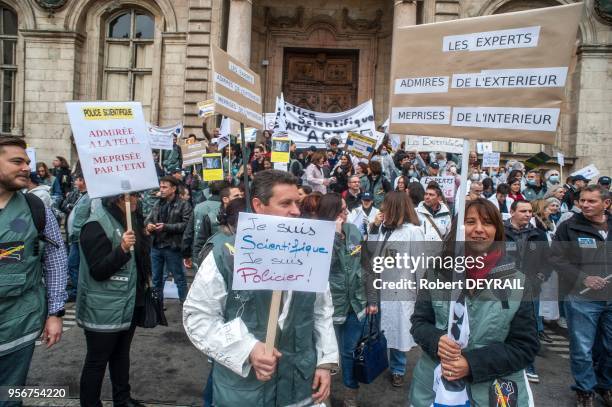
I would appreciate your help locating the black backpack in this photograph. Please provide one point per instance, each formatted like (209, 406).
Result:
(37, 208)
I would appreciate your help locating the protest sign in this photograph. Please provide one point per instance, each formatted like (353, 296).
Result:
(192, 153)
(206, 108)
(31, 152)
(160, 138)
(278, 253)
(490, 159)
(561, 159)
(237, 89)
(499, 77)
(280, 150)
(269, 121)
(113, 146)
(427, 144)
(360, 145)
(308, 128)
(446, 184)
(536, 160)
(281, 166)
(482, 148)
(588, 172)
(212, 167)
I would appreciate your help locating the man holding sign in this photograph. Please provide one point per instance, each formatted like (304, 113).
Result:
(230, 325)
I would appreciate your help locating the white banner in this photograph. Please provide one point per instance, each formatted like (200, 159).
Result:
(307, 128)
(441, 144)
(277, 253)
(160, 138)
(113, 145)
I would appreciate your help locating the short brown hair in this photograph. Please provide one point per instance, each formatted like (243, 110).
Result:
(603, 192)
(310, 205)
(169, 180)
(398, 209)
(316, 157)
(12, 141)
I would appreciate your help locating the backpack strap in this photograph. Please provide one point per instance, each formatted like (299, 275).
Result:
(39, 216)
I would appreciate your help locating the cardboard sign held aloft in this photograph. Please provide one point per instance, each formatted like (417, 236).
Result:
(212, 167)
(482, 148)
(561, 159)
(499, 77)
(446, 184)
(360, 145)
(278, 253)
(589, 172)
(160, 138)
(427, 144)
(490, 159)
(206, 108)
(113, 146)
(280, 150)
(192, 153)
(237, 89)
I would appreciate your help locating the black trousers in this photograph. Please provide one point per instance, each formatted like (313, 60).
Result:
(112, 348)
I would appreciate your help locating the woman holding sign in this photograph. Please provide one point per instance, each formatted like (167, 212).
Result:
(502, 341)
(348, 289)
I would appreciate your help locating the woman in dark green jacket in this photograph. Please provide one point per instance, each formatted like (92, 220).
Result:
(348, 289)
(503, 339)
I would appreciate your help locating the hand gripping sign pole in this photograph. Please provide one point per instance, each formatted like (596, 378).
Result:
(128, 215)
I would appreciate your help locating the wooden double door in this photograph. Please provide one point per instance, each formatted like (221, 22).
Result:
(322, 80)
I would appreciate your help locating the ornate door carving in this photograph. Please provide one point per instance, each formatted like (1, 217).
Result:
(321, 80)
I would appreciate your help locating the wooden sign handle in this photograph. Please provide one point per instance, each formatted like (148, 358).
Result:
(273, 321)
(128, 215)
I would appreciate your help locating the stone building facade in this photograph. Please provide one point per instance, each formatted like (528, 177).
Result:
(324, 54)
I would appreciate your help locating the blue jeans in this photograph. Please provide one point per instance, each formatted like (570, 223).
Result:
(587, 320)
(73, 268)
(397, 362)
(14, 371)
(208, 390)
(348, 335)
(538, 318)
(173, 262)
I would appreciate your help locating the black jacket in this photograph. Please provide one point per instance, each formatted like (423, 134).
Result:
(530, 251)
(579, 250)
(171, 236)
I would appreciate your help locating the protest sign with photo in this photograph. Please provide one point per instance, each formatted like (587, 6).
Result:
(588, 172)
(206, 108)
(446, 184)
(269, 121)
(212, 167)
(490, 159)
(113, 145)
(360, 145)
(192, 153)
(160, 138)
(237, 89)
(499, 77)
(308, 128)
(278, 253)
(280, 150)
(427, 144)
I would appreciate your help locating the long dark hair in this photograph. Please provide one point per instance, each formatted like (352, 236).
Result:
(330, 206)
(398, 209)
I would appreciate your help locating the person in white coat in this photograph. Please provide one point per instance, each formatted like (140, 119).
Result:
(363, 216)
(502, 201)
(314, 176)
(244, 374)
(399, 230)
(434, 215)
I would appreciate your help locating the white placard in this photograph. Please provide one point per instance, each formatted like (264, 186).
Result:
(525, 37)
(269, 121)
(278, 253)
(113, 146)
(512, 78)
(490, 159)
(280, 166)
(537, 119)
(441, 144)
(589, 172)
(421, 115)
(485, 147)
(31, 152)
(561, 159)
(160, 138)
(427, 84)
(446, 184)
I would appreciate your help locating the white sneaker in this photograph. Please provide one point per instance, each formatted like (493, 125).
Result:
(562, 322)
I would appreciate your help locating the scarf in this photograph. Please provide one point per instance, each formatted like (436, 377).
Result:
(490, 261)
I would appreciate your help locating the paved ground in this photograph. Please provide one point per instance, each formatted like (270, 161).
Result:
(167, 370)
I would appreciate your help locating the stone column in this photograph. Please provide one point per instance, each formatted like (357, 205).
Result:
(239, 30)
(404, 13)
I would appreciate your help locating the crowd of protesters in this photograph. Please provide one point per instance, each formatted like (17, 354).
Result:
(527, 223)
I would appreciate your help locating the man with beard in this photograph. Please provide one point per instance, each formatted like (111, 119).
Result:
(34, 268)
